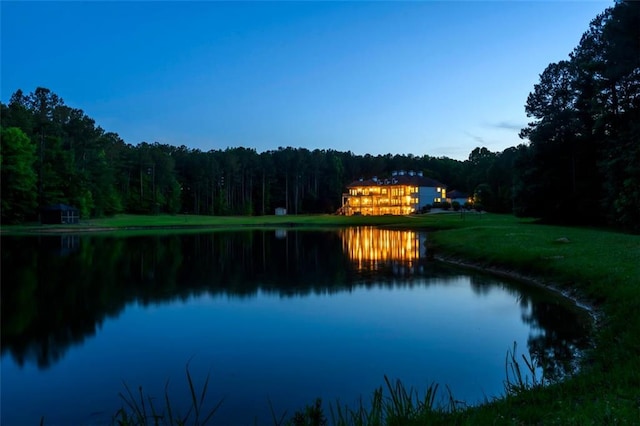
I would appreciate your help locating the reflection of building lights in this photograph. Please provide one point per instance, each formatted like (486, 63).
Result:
(372, 245)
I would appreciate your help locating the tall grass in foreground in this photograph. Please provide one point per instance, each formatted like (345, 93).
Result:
(395, 405)
(141, 410)
(401, 406)
(393, 409)
(516, 381)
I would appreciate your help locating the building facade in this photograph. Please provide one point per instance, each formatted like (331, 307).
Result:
(402, 193)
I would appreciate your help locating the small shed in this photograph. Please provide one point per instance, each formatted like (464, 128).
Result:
(60, 214)
(281, 211)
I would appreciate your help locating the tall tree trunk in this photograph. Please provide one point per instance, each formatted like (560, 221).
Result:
(263, 190)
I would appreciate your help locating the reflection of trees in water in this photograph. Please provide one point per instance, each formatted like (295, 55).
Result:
(559, 340)
(54, 298)
(558, 330)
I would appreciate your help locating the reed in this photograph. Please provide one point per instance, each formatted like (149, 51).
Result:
(140, 410)
(399, 405)
(518, 379)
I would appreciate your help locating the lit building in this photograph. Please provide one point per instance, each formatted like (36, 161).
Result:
(402, 193)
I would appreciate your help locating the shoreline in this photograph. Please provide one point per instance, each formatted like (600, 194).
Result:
(595, 313)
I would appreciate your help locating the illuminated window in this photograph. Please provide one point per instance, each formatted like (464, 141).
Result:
(438, 189)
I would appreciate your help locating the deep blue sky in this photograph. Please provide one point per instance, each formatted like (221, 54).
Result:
(436, 78)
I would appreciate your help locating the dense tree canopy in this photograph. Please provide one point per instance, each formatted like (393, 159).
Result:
(583, 161)
(18, 177)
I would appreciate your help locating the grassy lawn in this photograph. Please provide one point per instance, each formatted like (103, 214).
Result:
(599, 266)
(164, 222)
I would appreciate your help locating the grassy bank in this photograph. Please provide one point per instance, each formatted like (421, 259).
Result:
(130, 222)
(163, 223)
(598, 266)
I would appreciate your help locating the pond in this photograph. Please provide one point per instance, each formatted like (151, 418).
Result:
(274, 318)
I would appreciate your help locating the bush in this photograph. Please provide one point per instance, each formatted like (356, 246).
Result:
(456, 206)
(426, 208)
(445, 205)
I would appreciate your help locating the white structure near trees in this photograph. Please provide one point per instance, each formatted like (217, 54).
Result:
(401, 193)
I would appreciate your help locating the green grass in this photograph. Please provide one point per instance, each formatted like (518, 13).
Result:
(128, 222)
(600, 267)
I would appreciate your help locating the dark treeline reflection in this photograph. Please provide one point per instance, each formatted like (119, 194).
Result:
(57, 290)
(559, 332)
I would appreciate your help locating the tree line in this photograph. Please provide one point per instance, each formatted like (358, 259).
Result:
(52, 153)
(580, 162)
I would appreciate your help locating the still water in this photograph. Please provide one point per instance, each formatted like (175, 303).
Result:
(274, 318)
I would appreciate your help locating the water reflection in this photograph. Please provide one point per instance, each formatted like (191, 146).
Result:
(369, 248)
(57, 292)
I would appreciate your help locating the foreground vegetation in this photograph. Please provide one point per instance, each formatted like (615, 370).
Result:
(598, 267)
